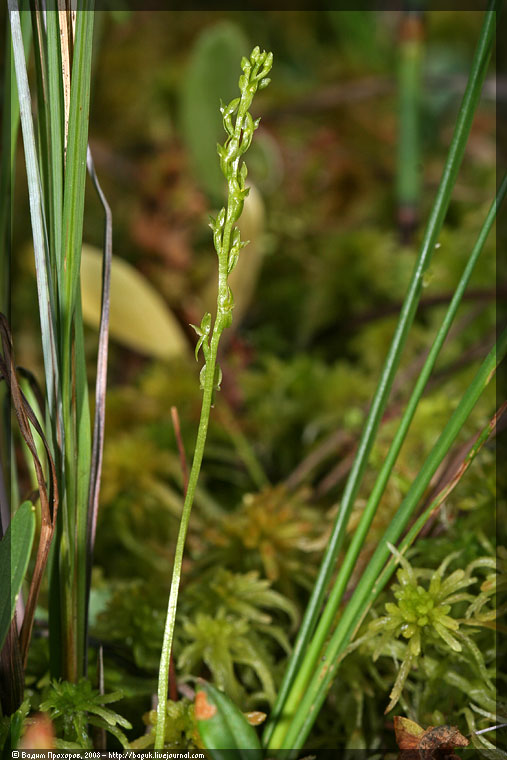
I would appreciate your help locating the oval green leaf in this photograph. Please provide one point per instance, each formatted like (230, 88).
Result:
(222, 725)
(15, 550)
(139, 317)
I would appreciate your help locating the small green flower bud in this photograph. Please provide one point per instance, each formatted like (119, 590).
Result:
(203, 332)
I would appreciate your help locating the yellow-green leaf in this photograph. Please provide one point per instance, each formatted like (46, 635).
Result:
(139, 318)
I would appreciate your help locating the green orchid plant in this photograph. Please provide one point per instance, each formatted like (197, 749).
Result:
(228, 244)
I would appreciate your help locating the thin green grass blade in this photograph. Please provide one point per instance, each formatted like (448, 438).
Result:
(44, 287)
(73, 562)
(272, 735)
(10, 129)
(335, 597)
(392, 455)
(56, 132)
(42, 109)
(307, 710)
(101, 383)
(44, 153)
(75, 168)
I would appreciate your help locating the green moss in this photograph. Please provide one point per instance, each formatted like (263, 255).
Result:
(428, 614)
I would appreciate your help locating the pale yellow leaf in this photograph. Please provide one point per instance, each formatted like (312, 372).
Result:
(139, 317)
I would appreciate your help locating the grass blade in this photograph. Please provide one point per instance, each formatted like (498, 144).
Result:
(56, 133)
(316, 692)
(75, 166)
(273, 734)
(44, 290)
(10, 128)
(347, 566)
(72, 537)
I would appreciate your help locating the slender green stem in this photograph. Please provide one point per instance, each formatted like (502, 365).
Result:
(302, 720)
(180, 545)
(227, 245)
(277, 723)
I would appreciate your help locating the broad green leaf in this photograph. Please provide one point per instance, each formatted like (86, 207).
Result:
(222, 725)
(212, 76)
(15, 550)
(139, 318)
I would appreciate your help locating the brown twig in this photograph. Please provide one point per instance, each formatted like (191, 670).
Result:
(336, 474)
(340, 440)
(455, 467)
(366, 88)
(330, 445)
(488, 295)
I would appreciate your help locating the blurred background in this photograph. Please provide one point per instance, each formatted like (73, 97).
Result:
(334, 194)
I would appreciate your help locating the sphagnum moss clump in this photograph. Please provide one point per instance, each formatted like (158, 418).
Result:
(421, 615)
